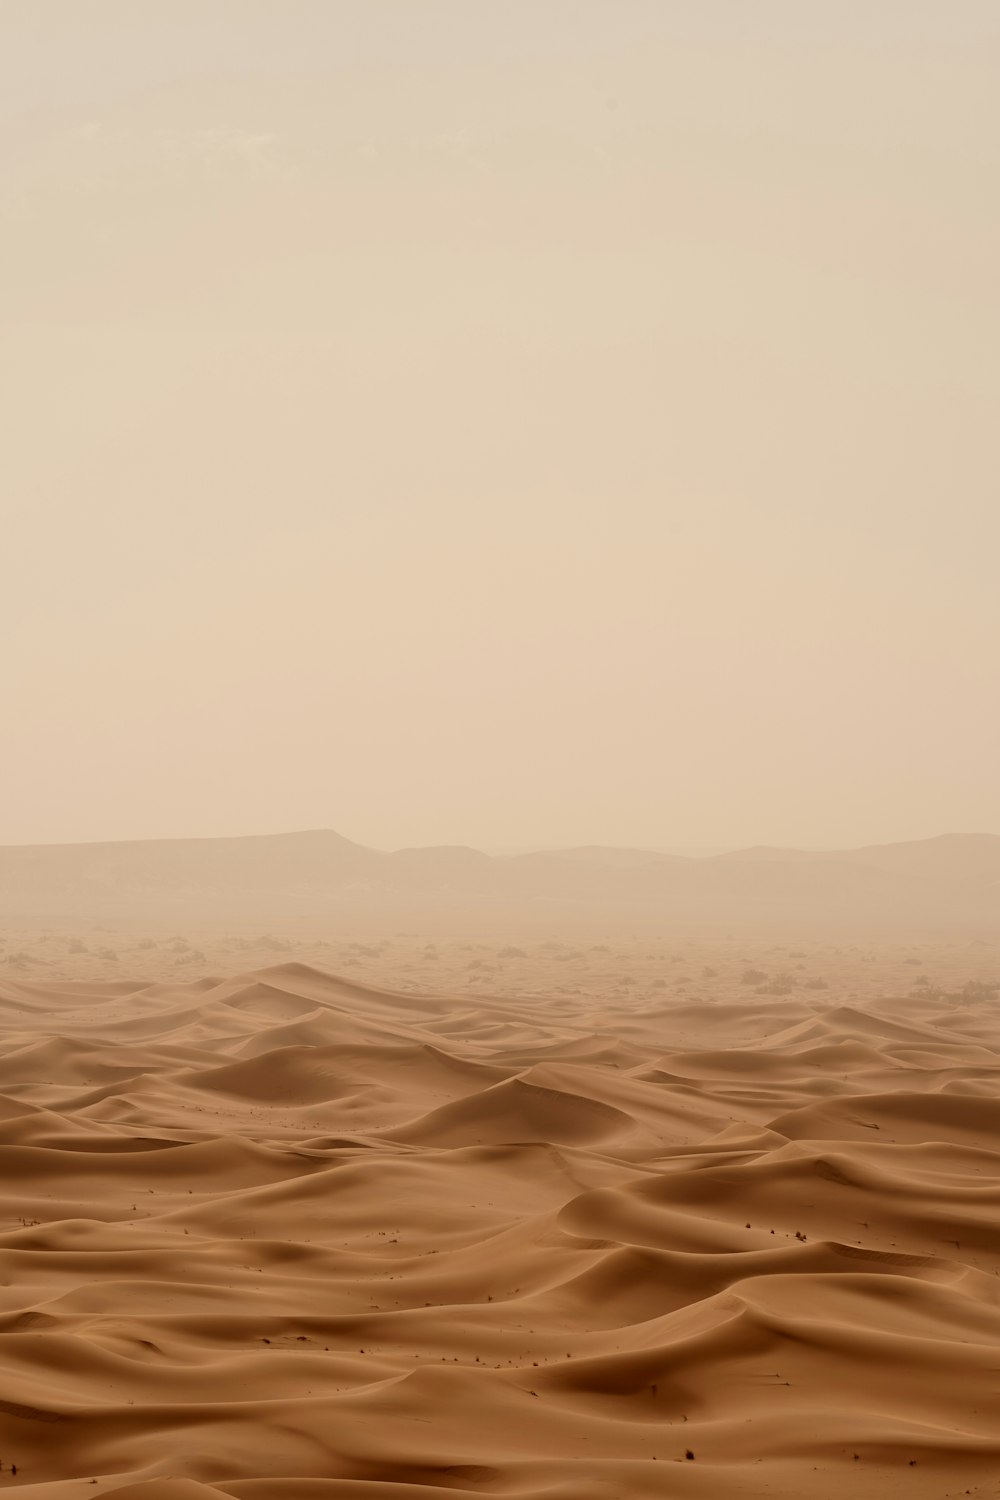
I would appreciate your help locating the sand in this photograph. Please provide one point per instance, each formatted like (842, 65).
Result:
(592, 1223)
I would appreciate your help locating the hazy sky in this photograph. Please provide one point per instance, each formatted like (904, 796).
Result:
(547, 421)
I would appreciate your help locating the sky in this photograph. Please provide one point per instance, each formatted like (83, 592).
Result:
(556, 422)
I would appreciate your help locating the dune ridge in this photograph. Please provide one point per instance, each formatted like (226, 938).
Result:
(288, 1234)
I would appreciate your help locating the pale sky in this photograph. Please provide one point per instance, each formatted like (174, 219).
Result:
(519, 423)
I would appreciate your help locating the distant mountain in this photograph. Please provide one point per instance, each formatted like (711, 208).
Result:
(947, 881)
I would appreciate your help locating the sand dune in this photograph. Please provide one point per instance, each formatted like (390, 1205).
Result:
(291, 1235)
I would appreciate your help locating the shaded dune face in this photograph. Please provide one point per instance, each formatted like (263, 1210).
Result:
(289, 1237)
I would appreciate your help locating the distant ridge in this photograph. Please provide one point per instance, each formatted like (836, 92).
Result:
(944, 881)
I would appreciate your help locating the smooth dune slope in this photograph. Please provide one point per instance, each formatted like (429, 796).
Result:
(287, 1236)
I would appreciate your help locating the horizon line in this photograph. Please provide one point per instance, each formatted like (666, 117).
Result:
(692, 852)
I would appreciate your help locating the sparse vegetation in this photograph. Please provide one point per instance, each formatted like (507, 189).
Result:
(781, 984)
(980, 989)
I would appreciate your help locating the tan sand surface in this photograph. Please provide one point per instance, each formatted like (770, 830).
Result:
(699, 1218)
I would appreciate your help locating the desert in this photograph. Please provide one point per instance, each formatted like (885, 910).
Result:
(499, 729)
(666, 1211)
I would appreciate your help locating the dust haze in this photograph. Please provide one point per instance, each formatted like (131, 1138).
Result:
(499, 823)
(518, 426)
